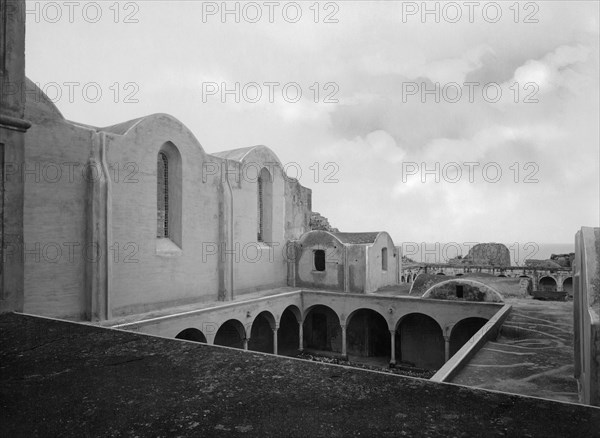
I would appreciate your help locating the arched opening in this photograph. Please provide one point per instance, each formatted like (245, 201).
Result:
(463, 331)
(192, 334)
(384, 259)
(368, 335)
(169, 193)
(231, 334)
(321, 329)
(501, 275)
(568, 286)
(469, 290)
(547, 284)
(460, 291)
(440, 273)
(261, 333)
(525, 285)
(288, 335)
(460, 274)
(402, 279)
(265, 205)
(420, 342)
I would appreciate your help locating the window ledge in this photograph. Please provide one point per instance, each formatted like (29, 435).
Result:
(167, 248)
(314, 271)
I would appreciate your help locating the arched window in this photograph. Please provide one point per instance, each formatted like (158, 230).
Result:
(319, 259)
(265, 206)
(384, 259)
(169, 194)
(162, 192)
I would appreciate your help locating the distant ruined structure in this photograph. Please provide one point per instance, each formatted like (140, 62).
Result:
(319, 222)
(556, 261)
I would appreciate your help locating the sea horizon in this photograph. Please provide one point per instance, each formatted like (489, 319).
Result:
(442, 252)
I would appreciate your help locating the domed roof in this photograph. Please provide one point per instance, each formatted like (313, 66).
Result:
(37, 104)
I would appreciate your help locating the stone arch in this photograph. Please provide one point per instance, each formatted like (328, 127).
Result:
(231, 333)
(368, 334)
(567, 285)
(547, 283)
(192, 334)
(321, 329)
(420, 341)
(463, 331)
(261, 333)
(489, 293)
(439, 273)
(288, 335)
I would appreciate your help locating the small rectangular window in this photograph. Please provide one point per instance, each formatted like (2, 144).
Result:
(459, 291)
(384, 259)
(319, 260)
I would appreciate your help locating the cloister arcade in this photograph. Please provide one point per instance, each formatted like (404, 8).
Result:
(415, 332)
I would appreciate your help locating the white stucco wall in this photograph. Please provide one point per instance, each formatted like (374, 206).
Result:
(54, 221)
(259, 264)
(376, 277)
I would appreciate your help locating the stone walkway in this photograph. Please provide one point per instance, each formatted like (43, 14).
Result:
(532, 356)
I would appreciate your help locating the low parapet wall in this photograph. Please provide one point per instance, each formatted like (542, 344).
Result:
(489, 331)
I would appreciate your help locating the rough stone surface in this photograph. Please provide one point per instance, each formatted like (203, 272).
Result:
(486, 254)
(564, 260)
(543, 264)
(320, 222)
(63, 379)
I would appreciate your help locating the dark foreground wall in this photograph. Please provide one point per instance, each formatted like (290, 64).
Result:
(65, 379)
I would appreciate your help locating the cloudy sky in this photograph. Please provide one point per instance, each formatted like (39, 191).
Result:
(499, 103)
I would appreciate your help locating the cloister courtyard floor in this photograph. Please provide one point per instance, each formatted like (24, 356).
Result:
(533, 354)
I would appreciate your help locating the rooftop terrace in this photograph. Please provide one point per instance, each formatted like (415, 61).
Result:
(70, 379)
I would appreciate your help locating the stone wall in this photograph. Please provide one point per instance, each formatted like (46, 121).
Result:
(91, 248)
(586, 307)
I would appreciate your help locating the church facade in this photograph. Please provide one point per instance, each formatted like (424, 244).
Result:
(137, 217)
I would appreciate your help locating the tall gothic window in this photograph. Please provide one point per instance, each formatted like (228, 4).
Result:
(169, 193)
(162, 189)
(264, 206)
(260, 209)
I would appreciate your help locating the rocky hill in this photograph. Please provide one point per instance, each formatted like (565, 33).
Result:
(485, 254)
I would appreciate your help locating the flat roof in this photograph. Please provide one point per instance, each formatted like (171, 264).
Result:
(70, 379)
